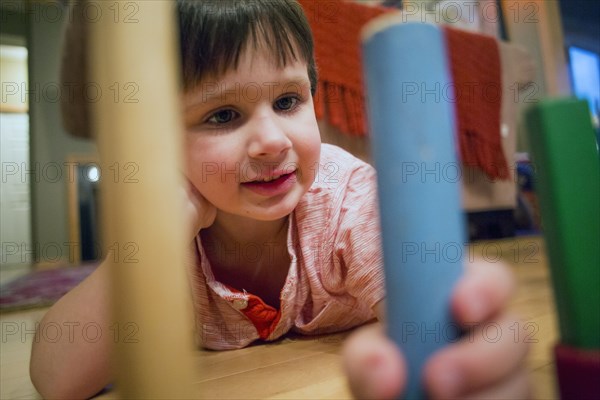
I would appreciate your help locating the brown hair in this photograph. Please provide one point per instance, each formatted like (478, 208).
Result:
(213, 35)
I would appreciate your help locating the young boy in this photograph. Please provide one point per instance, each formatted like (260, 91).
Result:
(287, 234)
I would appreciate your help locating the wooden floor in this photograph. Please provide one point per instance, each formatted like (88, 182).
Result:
(309, 368)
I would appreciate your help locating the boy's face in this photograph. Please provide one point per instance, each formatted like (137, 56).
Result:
(252, 140)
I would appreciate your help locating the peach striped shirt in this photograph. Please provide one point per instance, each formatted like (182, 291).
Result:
(336, 270)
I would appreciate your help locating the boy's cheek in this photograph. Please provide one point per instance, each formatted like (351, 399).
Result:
(198, 166)
(203, 181)
(209, 190)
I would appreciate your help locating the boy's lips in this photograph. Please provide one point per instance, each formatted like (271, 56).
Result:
(273, 184)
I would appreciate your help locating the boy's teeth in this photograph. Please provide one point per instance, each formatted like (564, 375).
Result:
(271, 178)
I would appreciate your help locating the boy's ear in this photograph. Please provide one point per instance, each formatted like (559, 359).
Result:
(74, 75)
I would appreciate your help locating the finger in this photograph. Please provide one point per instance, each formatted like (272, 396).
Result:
(484, 356)
(200, 211)
(484, 290)
(373, 364)
(194, 194)
(516, 386)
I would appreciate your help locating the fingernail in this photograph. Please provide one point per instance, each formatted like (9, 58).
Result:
(377, 371)
(375, 365)
(476, 306)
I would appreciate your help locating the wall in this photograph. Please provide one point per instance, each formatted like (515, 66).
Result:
(50, 145)
(15, 196)
(536, 25)
(15, 193)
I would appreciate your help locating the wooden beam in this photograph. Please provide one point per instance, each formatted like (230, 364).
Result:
(138, 125)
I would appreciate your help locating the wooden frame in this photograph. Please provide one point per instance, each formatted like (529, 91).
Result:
(148, 290)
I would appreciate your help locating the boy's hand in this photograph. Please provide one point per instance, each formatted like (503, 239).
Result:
(488, 362)
(200, 211)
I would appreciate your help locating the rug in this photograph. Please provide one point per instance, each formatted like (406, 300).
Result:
(42, 288)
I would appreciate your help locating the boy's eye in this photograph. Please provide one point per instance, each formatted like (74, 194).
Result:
(286, 103)
(222, 117)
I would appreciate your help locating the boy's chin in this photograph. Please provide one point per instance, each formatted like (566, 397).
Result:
(279, 208)
(272, 215)
(268, 210)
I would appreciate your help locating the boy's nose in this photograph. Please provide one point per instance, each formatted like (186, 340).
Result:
(268, 139)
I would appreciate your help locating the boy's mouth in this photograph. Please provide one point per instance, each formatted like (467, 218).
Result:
(269, 178)
(273, 184)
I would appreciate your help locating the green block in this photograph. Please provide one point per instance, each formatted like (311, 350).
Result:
(567, 164)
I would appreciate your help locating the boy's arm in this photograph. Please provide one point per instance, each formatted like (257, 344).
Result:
(75, 363)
